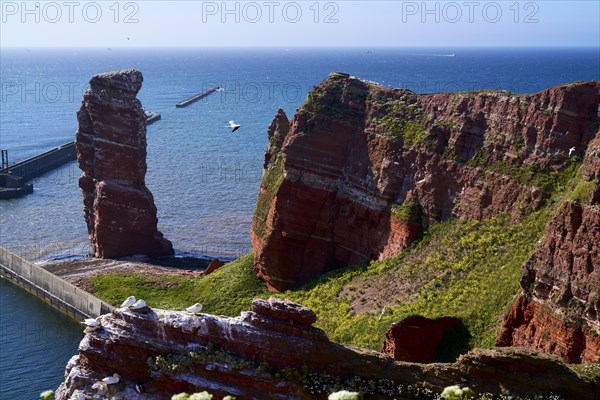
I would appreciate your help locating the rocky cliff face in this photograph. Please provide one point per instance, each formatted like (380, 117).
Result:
(119, 209)
(274, 352)
(558, 309)
(361, 169)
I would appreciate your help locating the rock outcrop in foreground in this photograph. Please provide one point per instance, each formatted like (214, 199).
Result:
(559, 308)
(274, 352)
(361, 169)
(119, 209)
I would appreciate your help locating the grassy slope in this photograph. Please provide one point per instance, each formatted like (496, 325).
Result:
(472, 270)
(226, 291)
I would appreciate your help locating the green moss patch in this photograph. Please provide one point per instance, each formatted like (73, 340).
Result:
(549, 181)
(409, 212)
(270, 183)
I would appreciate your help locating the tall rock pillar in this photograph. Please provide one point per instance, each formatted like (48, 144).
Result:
(119, 209)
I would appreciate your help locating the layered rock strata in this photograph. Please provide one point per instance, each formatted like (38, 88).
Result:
(119, 209)
(558, 310)
(274, 352)
(361, 169)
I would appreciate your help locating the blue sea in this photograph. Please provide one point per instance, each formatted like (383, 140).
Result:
(204, 178)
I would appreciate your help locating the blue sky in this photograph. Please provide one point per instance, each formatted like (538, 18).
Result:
(299, 23)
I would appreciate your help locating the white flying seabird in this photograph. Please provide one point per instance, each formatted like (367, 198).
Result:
(233, 126)
(571, 150)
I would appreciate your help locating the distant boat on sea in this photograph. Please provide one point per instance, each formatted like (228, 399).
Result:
(428, 54)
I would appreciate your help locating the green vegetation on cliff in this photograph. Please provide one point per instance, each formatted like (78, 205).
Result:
(465, 269)
(411, 132)
(401, 121)
(549, 181)
(407, 212)
(271, 181)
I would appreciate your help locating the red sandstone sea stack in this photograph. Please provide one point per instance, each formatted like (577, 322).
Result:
(119, 209)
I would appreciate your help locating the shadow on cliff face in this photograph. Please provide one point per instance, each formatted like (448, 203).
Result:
(425, 340)
(454, 343)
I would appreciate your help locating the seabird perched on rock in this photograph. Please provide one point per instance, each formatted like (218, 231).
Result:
(129, 302)
(138, 305)
(111, 380)
(195, 309)
(91, 322)
(233, 126)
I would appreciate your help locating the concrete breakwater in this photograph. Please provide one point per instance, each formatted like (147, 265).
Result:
(195, 98)
(14, 178)
(54, 290)
(42, 163)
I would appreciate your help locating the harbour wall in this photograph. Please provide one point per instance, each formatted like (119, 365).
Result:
(55, 291)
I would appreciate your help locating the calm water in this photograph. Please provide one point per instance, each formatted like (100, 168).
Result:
(205, 179)
(36, 342)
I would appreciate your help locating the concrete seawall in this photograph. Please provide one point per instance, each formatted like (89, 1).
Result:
(14, 178)
(55, 291)
(195, 98)
(42, 163)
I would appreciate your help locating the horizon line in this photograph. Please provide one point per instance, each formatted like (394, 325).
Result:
(121, 47)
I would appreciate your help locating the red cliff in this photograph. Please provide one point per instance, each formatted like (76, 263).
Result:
(361, 169)
(558, 309)
(119, 209)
